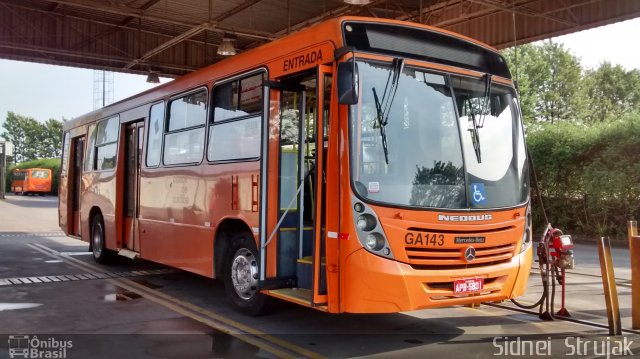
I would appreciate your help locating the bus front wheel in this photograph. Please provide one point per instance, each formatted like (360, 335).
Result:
(100, 252)
(241, 277)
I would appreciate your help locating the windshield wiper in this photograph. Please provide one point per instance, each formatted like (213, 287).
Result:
(381, 124)
(383, 106)
(475, 137)
(478, 122)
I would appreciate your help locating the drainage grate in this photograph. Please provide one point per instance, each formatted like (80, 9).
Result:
(32, 234)
(83, 276)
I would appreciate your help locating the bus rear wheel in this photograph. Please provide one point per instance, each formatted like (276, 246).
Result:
(100, 252)
(241, 277)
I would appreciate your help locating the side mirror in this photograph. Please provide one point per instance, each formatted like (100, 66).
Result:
(348, 83)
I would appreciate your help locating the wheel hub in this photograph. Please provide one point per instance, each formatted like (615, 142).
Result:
(244, 274)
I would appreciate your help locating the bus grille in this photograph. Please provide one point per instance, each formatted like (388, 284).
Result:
(436, 258)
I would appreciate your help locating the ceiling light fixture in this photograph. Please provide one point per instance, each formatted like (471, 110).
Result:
(227, 48)
(358, 2)
(153, 78)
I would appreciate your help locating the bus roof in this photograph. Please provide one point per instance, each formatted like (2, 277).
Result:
(31, 169)
(327, 31)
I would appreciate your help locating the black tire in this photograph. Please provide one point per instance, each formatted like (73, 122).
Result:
(243, 292)
(101, 254)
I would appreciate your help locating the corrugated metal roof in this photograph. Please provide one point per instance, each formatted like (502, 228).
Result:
(140, 35)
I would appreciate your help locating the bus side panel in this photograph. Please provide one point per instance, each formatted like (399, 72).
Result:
(182, 246)
(180, 208)
(17, 186)
(174, 227)
(100, 192)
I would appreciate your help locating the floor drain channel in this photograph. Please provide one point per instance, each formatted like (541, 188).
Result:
(82, 276)
(32, 234)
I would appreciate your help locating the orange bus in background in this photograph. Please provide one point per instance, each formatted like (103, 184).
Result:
(31, 181)
(360, 165)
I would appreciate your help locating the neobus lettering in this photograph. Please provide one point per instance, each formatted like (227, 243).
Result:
(302, 60)
(465, 218)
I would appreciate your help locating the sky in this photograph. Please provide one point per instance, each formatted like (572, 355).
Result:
(47, 91)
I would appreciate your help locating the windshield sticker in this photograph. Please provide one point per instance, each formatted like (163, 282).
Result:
(478, 194)
(374, 187)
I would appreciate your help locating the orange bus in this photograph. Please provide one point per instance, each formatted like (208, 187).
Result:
(31, 181)
(360, 165)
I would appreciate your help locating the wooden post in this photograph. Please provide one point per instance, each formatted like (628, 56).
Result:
(609, 284)
(634, 253)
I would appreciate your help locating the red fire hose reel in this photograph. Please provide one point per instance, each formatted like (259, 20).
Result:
(555, 256)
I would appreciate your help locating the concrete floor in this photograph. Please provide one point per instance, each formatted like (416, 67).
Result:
(181, 315)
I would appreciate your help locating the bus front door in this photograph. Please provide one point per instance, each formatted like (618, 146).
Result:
(294, 249)
(133, 156)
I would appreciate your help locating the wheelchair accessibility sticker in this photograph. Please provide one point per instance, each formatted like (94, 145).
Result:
(477, 193)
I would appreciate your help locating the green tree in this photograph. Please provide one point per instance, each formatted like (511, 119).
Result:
(32, 139)
(14, 132)
(611, 92)
(52, 145)
(527, 67)
(548, 81)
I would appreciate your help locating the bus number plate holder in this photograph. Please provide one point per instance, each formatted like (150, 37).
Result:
(461, 286)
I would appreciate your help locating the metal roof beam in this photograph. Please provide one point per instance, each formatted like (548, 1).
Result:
(245, 5)
(158, 49)
(487, 10)
(190, 33)
(438, 5)
(85, 19)
(137, 13)
(88, 55)
(522, 10)
(339, 11)
(144, 6)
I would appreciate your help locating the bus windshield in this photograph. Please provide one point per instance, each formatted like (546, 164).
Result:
(451, 142)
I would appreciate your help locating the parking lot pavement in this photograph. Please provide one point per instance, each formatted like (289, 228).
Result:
(29, 214)
(142, 309)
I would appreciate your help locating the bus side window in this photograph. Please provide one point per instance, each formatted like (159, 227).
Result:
(65, 155)
(155, 131)
(235, 130)
(184, 139)
(106, 143)
(89, 158)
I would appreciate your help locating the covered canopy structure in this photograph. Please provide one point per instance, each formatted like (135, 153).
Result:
(174, 37)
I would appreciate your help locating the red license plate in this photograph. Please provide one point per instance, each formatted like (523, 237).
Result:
(468, 285)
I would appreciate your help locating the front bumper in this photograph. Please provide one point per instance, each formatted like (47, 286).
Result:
(373, 284)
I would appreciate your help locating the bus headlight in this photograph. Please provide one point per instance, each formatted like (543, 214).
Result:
(527, 236)
(366, 222)
(369, 230)
(374, 241)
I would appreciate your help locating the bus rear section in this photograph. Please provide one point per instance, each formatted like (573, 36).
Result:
(31, 181)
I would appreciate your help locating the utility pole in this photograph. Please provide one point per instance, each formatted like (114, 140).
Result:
(102, 88)
(3, 166)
